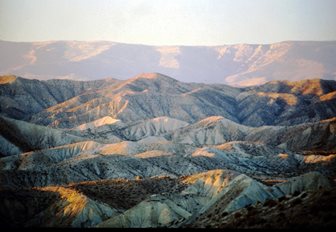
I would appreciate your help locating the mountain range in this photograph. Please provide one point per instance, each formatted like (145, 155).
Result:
(152, 151)
(237, 65)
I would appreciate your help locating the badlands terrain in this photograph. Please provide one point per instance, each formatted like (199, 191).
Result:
(151, 151)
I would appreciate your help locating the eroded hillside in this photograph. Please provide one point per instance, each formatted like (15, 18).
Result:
(155, 152)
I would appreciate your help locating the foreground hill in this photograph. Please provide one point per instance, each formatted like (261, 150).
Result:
(239, 64)
(198, 200)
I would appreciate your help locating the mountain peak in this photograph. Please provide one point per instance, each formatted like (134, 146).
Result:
(154, 76)
(212, 119)
(7, 79)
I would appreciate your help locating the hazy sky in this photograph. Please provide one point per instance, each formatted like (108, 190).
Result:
(168, 22)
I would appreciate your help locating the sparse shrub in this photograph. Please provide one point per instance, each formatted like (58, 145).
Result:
(224, 214)
(304, 195)
(296, 201)
(250, 223)
(282, 198)
(270, 203)
(268, 225)
(260, 221)
(296, 193)
(252, 212)
(237, 215)
(328, 217)
(249, 207)
(326, 193)
(281, 207)
(280, 218)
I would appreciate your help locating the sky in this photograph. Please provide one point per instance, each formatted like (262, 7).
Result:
(168, 22)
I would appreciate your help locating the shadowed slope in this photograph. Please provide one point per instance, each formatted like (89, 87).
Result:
(49, 207)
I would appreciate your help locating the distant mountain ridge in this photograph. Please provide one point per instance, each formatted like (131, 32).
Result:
(238, 65)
